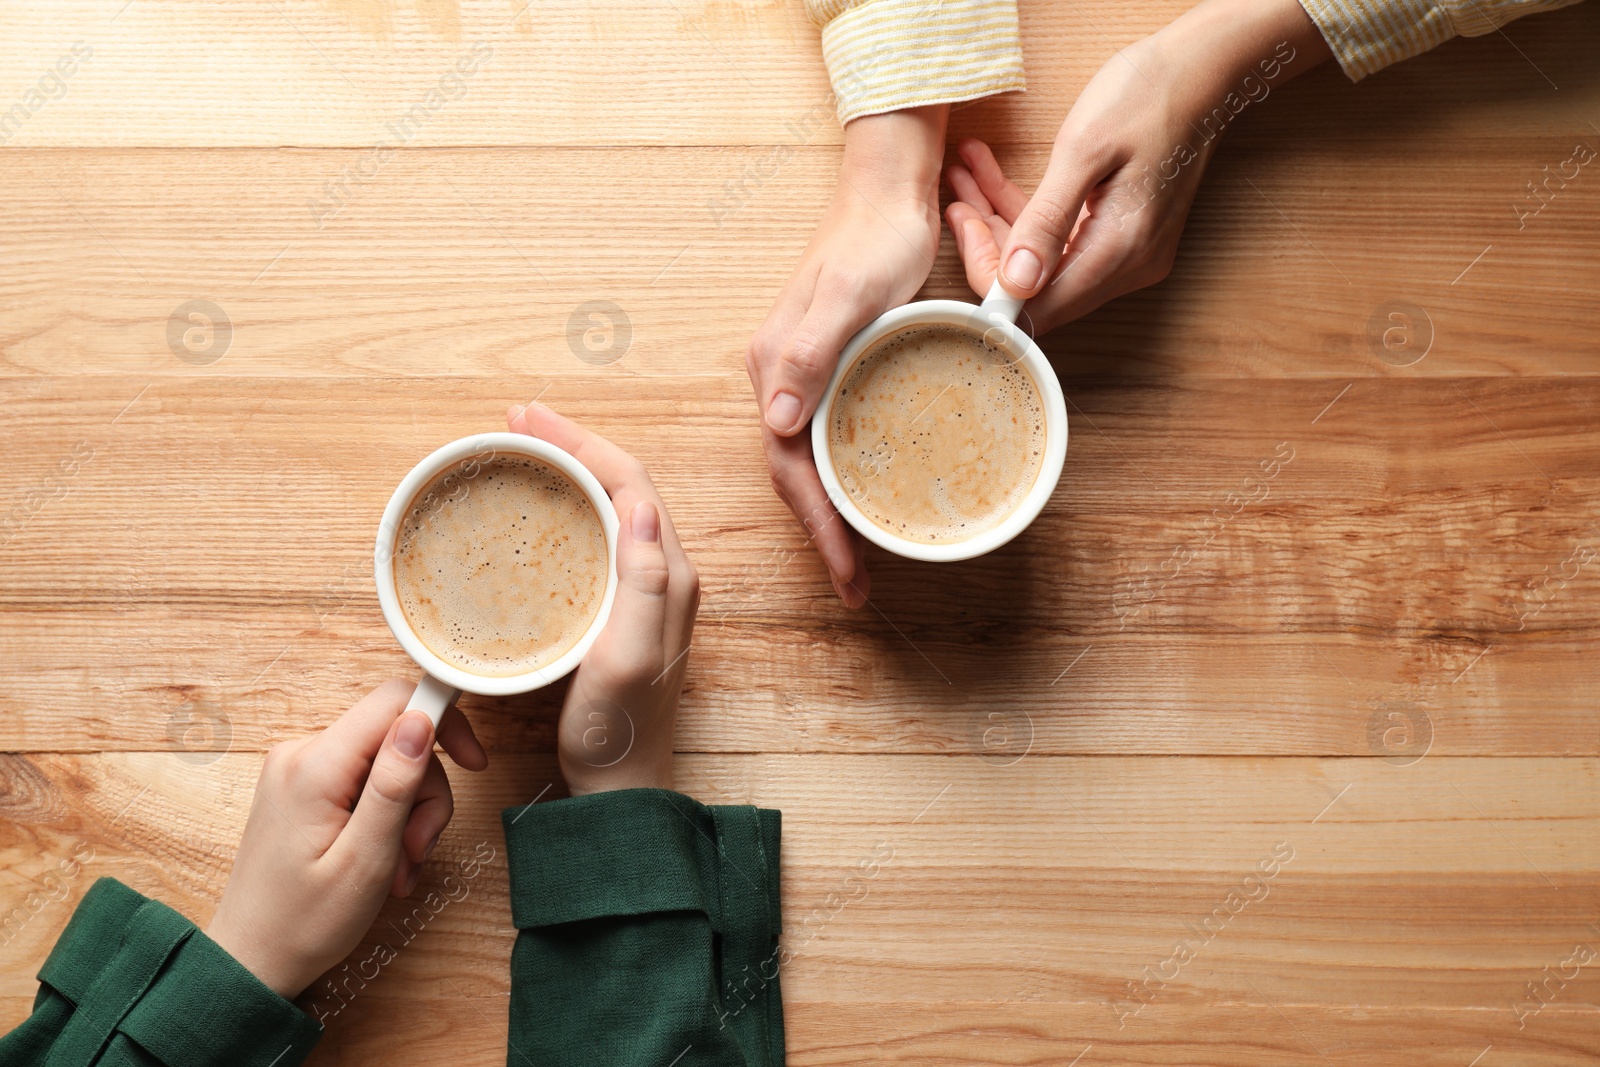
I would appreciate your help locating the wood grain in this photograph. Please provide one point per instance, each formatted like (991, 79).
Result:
(242, 512)
(638, 72)
(1076, 747)
(1466, 877)
(467, 262)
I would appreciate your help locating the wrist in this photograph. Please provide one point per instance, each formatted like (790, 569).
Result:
(898, 154)
(583, 779)
(1221, 42)
(257, 960)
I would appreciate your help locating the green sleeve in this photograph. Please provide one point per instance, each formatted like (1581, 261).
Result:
(647, 933)
(132, 983)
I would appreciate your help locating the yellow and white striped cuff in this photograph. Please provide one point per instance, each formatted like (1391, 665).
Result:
(1368, 35)
(885, 55)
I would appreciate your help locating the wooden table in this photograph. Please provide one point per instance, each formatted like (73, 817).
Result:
(1377, 677)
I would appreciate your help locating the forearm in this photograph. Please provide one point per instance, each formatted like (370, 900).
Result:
(1241, 49)
(1273, 40)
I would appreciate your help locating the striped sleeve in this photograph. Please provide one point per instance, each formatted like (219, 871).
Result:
(1368, 35)
(884, 55)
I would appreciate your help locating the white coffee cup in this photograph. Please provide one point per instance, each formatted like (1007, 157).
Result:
(443, 682)
(996, 321)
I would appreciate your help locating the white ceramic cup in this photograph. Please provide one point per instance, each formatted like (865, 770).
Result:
(996, 321)
(443, 682)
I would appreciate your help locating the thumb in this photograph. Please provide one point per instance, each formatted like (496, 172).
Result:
(374, 829)
(794, 383)
(1041, 230)
(639, 615)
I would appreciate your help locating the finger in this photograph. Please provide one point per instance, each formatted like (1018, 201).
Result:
(794, 476)
(619, 474)
(1102, 264)
(634, 633)
(457, 738)
(980, 251)
(761, 355)
(793, 384)
(361, 730)
(1042, 228)
(371, 839)
(615, 469)
(430, 814)
(861, 584)
(965, 188)
(990, 181)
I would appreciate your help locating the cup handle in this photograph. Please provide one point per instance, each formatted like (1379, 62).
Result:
(432, 698)
(1002, 303)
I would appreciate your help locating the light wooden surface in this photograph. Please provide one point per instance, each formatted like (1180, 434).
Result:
(1073, 753)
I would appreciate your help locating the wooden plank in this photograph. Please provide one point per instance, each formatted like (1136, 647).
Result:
(474, 263)
(1256, 1033)
(1010, 907)
(468, 1027)
(1442, 885)
(339, 72)
(230, 569)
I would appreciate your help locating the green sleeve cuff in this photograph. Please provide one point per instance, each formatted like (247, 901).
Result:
(640, 851)
(135, 970)
(648, 926)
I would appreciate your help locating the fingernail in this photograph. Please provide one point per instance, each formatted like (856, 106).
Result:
(415, 735)
(646, 523)
(783, 414)
(428, 852)
(516, 412)
(1022, 269)
(411, 880)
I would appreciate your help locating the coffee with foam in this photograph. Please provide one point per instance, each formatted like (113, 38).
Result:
(500, 566)
(936, 434)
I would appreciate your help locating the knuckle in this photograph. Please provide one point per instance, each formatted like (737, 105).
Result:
(1160, 264)
(763, 344)
(283, 761)
(844, 280)
(686, 587)
(1089, 142)
(639, 667)
(805, 356)
(388, 782)
(651, 578)
(1050, 214)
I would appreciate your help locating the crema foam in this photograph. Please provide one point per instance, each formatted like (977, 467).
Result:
(500, 566)
(936, 434)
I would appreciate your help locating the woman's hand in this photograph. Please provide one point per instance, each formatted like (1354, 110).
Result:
(1111, 207)
(617, 722)
(872, 251)
(340, 820)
